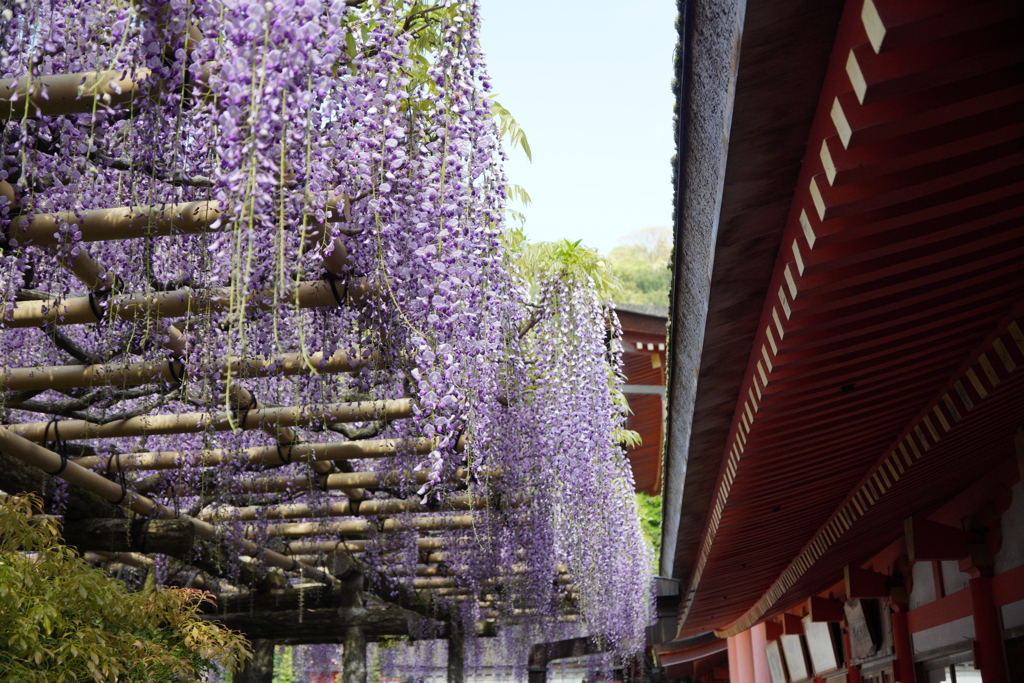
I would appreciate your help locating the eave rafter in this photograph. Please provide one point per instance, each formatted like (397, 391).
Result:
(965, 395)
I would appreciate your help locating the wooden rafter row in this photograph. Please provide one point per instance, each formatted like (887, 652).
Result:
(37, 456)
(191, 423)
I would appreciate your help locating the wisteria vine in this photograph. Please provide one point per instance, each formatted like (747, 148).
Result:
(350, 143)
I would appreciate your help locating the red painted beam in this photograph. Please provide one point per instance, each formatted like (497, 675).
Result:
(825, 610)
(864, 583)
(927, 540)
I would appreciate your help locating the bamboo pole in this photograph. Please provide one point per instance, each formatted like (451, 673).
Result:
(137, 560)
(426, 544)
(361, 526)
(81, 310)
(134, 222)
(453, 582)
(190, 423)
(343, 508)
(259, 455)
(135, 374)
(62, 94)
(334, 482)
(48, 461)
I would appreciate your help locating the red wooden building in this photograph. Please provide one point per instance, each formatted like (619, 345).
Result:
(643, 356)
(844, 450)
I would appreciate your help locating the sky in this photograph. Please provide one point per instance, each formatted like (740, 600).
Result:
(590, 83)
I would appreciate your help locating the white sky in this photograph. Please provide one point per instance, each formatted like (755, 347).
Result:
(590, 83)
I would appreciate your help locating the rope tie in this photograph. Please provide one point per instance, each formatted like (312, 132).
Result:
(96, 297)
(59, 446)
(280, 452)
(242, 414)
(177, 375)
(353, 505)
(120, 479)
(332, 280)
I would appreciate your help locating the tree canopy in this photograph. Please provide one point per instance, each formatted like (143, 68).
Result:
(62, 620)
(641, 265)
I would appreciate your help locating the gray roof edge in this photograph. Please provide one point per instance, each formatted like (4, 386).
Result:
(707, 62)
(652, 310)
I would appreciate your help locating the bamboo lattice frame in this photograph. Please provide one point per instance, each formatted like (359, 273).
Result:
(80, 93)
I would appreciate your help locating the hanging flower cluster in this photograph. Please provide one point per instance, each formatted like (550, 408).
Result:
(344, 163)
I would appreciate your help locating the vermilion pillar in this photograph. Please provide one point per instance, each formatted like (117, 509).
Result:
(904, 664)
(744, 658)
(987, 632)
(852, 672)
(758, 642)
(734, 668)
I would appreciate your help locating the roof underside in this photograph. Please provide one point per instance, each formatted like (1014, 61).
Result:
(773, 109)
(880, 375)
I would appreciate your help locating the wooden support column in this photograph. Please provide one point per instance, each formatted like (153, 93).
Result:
(456, 655)
(903, 667)
(734, 660)
(852, 672)
(744, 659)
(988, 646)
(354, 656)
(758, 643)
(259, 669)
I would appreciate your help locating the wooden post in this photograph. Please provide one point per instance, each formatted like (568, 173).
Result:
(456, 655)
(734, 661)
(758, 642)
(744, 659)
(259, 669)
(904, 665)
(354, 656)
(988, 646)
(852, 672)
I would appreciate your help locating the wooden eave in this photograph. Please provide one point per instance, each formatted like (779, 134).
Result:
(883, 373)
(782, 60)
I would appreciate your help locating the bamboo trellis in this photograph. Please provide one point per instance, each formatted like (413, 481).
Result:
(304, 551)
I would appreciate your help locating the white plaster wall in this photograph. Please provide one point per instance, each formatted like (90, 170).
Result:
(959, 631)
(1011, 555)
(953, 579)
(924, 585)
(1013, 614)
